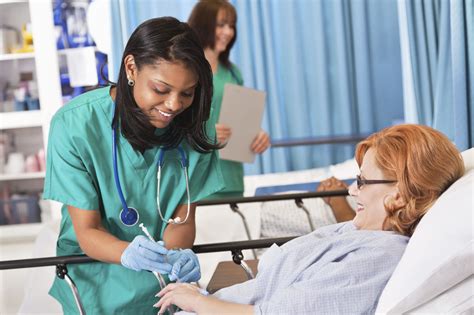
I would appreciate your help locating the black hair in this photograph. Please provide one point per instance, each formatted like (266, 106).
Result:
(168, 39)
(203, 20)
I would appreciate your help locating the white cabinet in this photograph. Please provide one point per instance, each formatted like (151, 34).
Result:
(26, 131)
(29, 131)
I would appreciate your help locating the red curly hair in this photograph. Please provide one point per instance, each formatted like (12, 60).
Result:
(424, 162)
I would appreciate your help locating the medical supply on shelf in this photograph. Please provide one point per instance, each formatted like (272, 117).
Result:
(16, 163)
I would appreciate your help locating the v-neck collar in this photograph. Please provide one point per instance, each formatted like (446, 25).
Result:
(136, 158)
(218, 71)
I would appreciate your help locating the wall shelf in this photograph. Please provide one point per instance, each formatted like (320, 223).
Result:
(27, 132)
(4, 57)
(21, 119)
(21, 176)
(65, 51)
(14, 233)
(13, 1)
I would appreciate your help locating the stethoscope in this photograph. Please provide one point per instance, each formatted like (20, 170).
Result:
(128, 215)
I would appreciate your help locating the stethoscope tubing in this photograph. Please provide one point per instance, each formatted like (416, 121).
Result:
(116, 178)
(124, 216)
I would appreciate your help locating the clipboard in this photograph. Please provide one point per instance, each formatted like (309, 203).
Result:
(242, 110)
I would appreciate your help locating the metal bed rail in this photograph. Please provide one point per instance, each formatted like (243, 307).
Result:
(200, 249)
(297, 196)
(339, 139)
(61, 262)
(298, 199)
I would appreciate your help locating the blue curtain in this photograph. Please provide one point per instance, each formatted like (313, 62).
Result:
(329, 67)
(128, 14)
(437, 40)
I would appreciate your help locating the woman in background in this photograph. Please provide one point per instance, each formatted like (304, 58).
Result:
(343, 268)
(117, 134)
(214, 22)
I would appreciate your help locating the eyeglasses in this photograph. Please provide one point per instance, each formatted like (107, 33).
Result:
(361, 182)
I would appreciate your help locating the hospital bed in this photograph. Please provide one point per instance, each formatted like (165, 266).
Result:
(60, 263)
(435, 274)
(16, 283)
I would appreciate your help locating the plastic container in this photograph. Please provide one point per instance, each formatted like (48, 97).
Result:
(8, 39)
(32, 103)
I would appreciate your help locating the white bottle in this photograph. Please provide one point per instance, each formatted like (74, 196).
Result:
(16, 163)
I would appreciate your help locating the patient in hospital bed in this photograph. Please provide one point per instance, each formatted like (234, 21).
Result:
(343, 268)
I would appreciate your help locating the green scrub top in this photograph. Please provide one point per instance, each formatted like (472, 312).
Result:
(232, 171)
(80, 174)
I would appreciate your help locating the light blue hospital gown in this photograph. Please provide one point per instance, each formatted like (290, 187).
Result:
(336, 269)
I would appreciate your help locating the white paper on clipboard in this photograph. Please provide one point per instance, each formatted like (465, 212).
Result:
(241, 110)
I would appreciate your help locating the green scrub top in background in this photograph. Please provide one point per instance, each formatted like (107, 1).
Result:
(80, 174)
(233, 172)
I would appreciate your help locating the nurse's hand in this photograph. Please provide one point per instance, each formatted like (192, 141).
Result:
(260, 143)
(185, 265)
(223, 133)
(143, 254)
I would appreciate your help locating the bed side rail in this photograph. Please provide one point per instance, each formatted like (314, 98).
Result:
(298, 196)
(199, 249)
(338, 139)
(204, 248)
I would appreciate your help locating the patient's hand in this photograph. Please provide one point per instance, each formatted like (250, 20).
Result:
(186, 296)
(190, 298)
(339, 205)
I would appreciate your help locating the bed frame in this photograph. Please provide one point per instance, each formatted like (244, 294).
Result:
(235, 248)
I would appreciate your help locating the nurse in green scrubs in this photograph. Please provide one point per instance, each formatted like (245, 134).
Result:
(214, 22)
(161, 100)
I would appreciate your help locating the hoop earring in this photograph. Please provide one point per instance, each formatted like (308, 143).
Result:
(131, 82)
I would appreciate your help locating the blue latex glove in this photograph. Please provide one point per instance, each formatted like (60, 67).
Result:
(185, 265)
(144, 254)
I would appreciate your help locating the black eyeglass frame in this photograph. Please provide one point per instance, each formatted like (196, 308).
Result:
(361, 182)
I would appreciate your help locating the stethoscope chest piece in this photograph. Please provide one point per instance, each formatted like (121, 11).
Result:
(130, 217)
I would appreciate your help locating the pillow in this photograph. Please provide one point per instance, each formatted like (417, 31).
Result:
(456, 300)
(468, 157)
(439, 255)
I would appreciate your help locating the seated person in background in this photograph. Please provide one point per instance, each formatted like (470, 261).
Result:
(343, 268)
